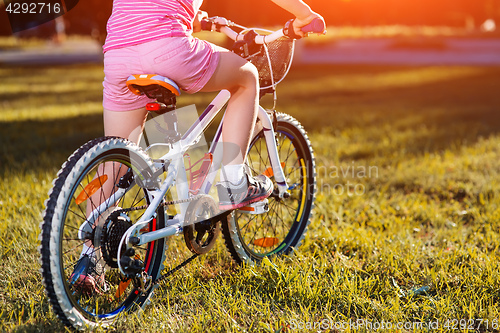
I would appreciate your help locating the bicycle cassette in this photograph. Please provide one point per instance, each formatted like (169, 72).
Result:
(113, 230)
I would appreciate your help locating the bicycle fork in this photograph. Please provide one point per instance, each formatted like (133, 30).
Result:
(272, 150)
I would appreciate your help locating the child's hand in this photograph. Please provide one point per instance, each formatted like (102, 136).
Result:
(197, 20)
(298, 23)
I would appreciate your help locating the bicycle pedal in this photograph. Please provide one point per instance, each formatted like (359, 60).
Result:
(259, 207)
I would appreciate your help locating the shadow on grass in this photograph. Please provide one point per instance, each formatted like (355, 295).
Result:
(43, 98)
(35, 144)
(418, 115)
(371, 104)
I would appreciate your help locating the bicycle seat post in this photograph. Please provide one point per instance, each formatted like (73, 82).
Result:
(172, 131)
(165, 92)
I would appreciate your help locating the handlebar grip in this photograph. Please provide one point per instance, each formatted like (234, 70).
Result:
(316, 26)
(206, 25)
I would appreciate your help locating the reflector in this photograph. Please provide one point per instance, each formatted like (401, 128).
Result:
(269, 171)
(91, 188)
(266, 241)
(153, 106)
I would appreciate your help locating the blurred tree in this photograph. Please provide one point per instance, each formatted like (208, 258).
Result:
(362, 12)
(89, 16)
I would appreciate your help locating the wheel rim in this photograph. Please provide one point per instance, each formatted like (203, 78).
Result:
(120, 295)
(270, 233)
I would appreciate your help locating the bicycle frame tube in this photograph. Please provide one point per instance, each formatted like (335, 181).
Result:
(217, 160)
(274, 158)
(267, 127)
(193, 134)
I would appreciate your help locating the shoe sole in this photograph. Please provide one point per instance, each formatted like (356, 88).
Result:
(225, 207)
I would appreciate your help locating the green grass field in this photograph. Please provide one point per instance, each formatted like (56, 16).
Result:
(407, 222)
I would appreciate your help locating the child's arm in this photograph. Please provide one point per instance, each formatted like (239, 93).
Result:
(303, 13)
(197, 20)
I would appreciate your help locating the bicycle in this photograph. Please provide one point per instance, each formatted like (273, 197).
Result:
(128, 228)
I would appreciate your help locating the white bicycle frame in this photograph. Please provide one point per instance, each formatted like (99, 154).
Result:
(176, 174)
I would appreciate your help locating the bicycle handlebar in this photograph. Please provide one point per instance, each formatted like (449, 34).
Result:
(223, 25)
(316, 26)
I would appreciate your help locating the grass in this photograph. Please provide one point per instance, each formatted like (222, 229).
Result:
(407, 219)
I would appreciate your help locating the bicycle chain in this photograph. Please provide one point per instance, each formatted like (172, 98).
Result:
(163, 204)
(176, 268)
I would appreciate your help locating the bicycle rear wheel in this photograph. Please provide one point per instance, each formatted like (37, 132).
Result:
(80, 187)
(250, 238)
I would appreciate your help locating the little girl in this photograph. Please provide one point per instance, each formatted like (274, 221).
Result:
(155, 37)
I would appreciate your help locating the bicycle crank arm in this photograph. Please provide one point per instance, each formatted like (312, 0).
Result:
(172, 230)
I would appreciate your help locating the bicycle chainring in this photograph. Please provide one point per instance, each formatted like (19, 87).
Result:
(200, 229)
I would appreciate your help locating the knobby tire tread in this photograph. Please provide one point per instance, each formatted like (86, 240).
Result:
(46, 225)
(47, 230)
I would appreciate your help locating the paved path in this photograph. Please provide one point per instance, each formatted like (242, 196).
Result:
(452, 51)
(71, 52)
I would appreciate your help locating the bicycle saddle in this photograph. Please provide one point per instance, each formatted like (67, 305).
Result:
(153, 86)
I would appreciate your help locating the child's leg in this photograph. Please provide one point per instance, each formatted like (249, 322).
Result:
(241, 79)
(125, 124)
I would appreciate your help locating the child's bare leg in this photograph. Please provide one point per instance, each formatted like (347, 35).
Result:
(241, 79)
(124, 124)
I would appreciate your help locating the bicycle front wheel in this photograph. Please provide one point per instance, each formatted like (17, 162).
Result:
(79, 259)
(250, 238)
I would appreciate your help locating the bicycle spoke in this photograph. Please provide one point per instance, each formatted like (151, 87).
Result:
(281, 222)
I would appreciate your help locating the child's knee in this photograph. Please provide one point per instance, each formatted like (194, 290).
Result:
(251, 76)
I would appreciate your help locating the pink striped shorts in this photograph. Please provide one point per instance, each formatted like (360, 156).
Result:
(188, 61)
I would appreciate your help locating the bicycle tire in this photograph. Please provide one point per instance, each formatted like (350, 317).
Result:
(61, 242)
(251, 238)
